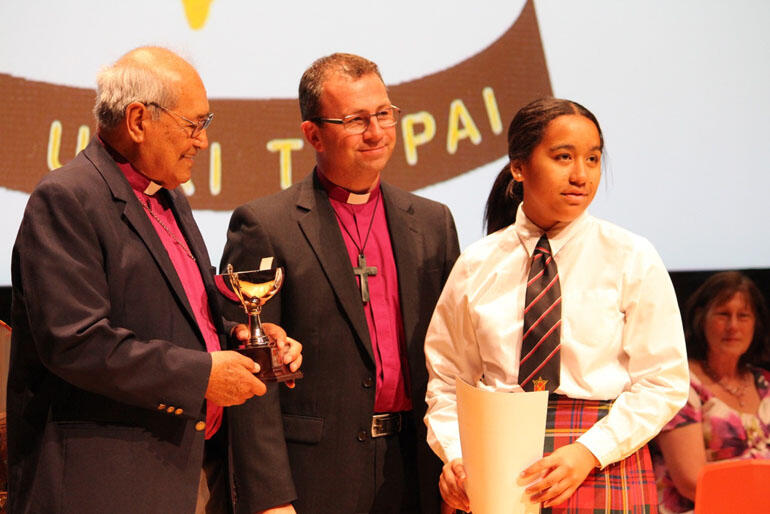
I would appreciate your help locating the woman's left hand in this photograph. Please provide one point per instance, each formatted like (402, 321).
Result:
(560, 474)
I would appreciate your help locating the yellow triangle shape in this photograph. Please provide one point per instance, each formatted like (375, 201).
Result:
(197, 12)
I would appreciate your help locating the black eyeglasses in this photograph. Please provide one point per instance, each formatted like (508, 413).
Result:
(357, 123)
(196, 126)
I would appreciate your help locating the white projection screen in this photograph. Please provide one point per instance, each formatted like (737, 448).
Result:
(680, 89)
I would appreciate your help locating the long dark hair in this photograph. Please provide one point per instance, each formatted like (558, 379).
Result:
(718, 289)
(524, 134)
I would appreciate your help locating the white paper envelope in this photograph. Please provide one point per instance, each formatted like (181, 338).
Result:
(501, 434)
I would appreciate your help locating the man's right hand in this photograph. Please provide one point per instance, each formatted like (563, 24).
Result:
(232, 379)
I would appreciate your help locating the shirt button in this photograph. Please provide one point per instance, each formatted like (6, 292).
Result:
(200, 426)
(178, 412)
(361, 435)
(367, 382)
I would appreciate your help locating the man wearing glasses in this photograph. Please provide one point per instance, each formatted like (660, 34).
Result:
(365, 263)
(119, 373)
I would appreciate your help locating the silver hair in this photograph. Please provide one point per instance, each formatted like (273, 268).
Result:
(122, 83)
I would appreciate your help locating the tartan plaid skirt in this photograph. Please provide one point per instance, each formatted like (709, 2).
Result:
(627, 486)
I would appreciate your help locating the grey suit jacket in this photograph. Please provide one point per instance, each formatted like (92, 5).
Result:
(103, 336)
(311, 440)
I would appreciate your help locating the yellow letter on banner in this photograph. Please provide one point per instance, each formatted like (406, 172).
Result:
(413, 140)
(215, 169)
(284, 148)
(54, 143)
(84, 134)
(490, 102)
(457, 112)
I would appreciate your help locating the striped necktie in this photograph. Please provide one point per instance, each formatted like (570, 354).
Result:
(541, 340)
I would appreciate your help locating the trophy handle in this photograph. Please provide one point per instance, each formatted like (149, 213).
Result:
(278, 281)
(235, 283)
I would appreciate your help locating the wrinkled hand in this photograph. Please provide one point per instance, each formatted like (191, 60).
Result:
(290, 349)
(451, 483)
(232, 379)
(240, 332)
(283, 509)
(560, 474)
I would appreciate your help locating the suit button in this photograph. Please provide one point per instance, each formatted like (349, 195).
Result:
(162, 406)
(178, 412)
(170, 409)
(361, 435)
(367, 382)
(200, 426)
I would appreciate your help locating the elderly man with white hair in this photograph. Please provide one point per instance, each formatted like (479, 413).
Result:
(119, 370)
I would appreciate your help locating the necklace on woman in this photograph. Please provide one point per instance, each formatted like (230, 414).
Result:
(184, 247)
(736, 391)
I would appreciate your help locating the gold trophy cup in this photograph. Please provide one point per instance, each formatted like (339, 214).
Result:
(253, 289)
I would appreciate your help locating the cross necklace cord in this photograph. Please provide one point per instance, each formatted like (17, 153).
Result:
(168, 230)
(363, 271)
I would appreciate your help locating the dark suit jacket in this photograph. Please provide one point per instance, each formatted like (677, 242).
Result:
(103, 337)
(320, 305)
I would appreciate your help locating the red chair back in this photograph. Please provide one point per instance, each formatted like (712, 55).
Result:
(734, 486)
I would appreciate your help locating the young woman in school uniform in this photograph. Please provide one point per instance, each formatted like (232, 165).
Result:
(559, 300)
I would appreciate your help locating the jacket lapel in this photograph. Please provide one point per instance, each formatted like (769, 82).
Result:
(406, 240)
(137, 218)
(319, 225)
(197, 246)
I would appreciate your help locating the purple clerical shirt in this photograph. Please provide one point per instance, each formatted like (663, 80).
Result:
(186, 268)
(383, 311)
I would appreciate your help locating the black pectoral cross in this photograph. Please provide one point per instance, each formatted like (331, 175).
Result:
(364, 273)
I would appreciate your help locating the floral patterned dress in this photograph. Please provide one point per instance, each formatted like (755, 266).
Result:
(727, 434)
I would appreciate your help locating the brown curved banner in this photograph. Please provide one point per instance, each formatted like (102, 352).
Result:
(453, 121)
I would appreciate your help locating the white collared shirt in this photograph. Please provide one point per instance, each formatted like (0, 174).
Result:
(621, 335)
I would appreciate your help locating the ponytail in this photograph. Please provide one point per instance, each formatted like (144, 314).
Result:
(503, 201)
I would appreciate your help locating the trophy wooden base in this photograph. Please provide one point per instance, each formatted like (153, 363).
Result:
(271, 369)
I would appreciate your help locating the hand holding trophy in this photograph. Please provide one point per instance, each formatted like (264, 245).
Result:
(253, 289)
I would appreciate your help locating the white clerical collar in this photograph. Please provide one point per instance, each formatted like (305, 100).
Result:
(341, 194)
(152, 188)
(358, 199)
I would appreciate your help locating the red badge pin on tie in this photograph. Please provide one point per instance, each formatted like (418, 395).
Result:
(539, 384)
